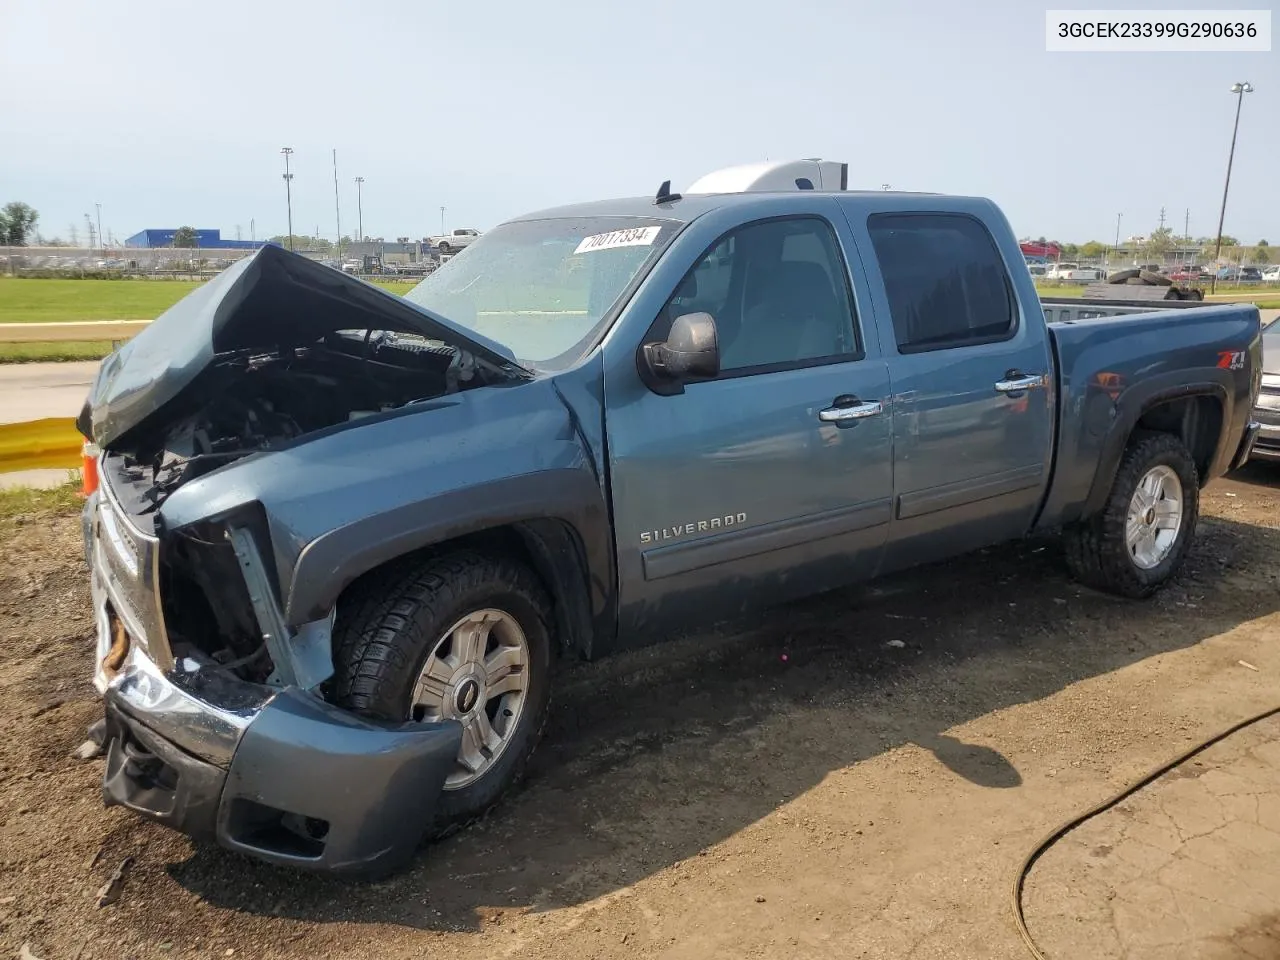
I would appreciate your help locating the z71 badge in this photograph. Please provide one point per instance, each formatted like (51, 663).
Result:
(694, 526)
(1231, 360)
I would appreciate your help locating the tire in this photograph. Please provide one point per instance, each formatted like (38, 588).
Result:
(1155, 279)
(1122, 275)
(1097, 550)
(388, 627)
(444, 247)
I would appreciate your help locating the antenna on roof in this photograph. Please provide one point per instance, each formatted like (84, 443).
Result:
(665, 195)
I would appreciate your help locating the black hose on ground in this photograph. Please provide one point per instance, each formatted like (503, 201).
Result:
(1059, 832)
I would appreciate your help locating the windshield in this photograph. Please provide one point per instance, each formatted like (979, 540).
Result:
(541, 288)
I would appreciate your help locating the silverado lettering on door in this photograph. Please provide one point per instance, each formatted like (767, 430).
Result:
(697, 526)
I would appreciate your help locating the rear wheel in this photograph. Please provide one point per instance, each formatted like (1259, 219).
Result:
(460, 637)
(1142, 535)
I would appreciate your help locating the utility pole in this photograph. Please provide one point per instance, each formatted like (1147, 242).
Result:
(288, 191)
(337, 208)
(99, 206)
(88, 225)
(1186, 224)
(237, 233)
(1239, 89)
(1117, 248)
(360, 209)
(442, 221)
(252, 236)
(1162, 218)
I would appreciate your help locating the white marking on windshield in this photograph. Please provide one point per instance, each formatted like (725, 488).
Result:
(634, 237)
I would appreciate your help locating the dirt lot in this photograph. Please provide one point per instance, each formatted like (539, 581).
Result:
(854, 776)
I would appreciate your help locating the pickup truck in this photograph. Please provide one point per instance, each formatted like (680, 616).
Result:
(341, 536)
(453, 242)
(1074, 273)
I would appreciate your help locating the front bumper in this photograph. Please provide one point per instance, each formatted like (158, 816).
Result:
(278, 774)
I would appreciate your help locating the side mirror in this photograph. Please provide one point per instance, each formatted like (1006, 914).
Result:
(691, 350)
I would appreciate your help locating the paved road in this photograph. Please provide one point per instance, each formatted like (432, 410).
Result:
(32, 391)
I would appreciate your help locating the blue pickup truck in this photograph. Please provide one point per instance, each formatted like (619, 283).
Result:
(341, 536)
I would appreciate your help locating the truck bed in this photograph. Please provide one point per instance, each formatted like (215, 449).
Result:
(1075, 308)
(1111, 367)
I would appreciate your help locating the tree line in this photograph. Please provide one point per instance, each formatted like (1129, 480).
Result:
(1163, 242)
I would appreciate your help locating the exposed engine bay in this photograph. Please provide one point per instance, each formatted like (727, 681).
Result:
(251, 401)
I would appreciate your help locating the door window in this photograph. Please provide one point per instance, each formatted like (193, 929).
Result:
(779, 294)
(945, 280)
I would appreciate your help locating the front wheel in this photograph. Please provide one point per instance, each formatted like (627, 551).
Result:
(1142, 535)
(460, 637)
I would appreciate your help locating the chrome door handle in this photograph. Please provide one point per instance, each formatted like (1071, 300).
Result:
(1018, 384)
(857, 411)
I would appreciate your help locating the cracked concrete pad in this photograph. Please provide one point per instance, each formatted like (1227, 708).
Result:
(1191, 866)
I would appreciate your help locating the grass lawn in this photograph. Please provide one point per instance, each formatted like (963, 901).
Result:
(60, 301)
(64, 499)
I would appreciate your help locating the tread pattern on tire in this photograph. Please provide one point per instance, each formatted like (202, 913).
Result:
(1095, 548)
(378, 635)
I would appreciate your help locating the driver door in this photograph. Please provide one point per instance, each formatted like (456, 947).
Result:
(761, 483)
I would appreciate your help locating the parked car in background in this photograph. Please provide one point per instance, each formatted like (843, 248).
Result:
(1271, 275)
(1074, 273)
(1266, 410)
(1240, 274)
(1190, 274)
(451, 242)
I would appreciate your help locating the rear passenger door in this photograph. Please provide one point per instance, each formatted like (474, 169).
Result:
(972, 387)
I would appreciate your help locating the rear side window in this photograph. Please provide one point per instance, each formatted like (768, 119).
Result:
(946, 283)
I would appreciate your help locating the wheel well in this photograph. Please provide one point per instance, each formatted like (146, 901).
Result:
(1197, 421)
(550, 548)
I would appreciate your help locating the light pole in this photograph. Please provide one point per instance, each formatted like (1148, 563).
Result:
(1239, 89)
(99, 206)
(442, 221)
(1116, 248)
(337, 208)
(288, 191)
(360, 209)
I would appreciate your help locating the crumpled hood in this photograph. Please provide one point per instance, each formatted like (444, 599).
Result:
(271, 299)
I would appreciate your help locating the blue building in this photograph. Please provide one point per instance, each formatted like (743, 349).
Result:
(205, 240)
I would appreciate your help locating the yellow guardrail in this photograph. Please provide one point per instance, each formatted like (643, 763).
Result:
(40, 444)
(78, 330)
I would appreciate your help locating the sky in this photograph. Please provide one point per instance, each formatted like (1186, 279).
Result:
(169, 114)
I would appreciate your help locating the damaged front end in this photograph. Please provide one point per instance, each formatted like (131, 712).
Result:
(216, 720)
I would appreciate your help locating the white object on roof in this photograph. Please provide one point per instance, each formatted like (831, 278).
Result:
(781, 175)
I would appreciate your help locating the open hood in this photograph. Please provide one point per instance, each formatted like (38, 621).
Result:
(268, 301)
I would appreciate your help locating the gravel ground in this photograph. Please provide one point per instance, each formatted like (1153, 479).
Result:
(857, 775)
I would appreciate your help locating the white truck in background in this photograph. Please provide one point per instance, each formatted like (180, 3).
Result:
(453, 242)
